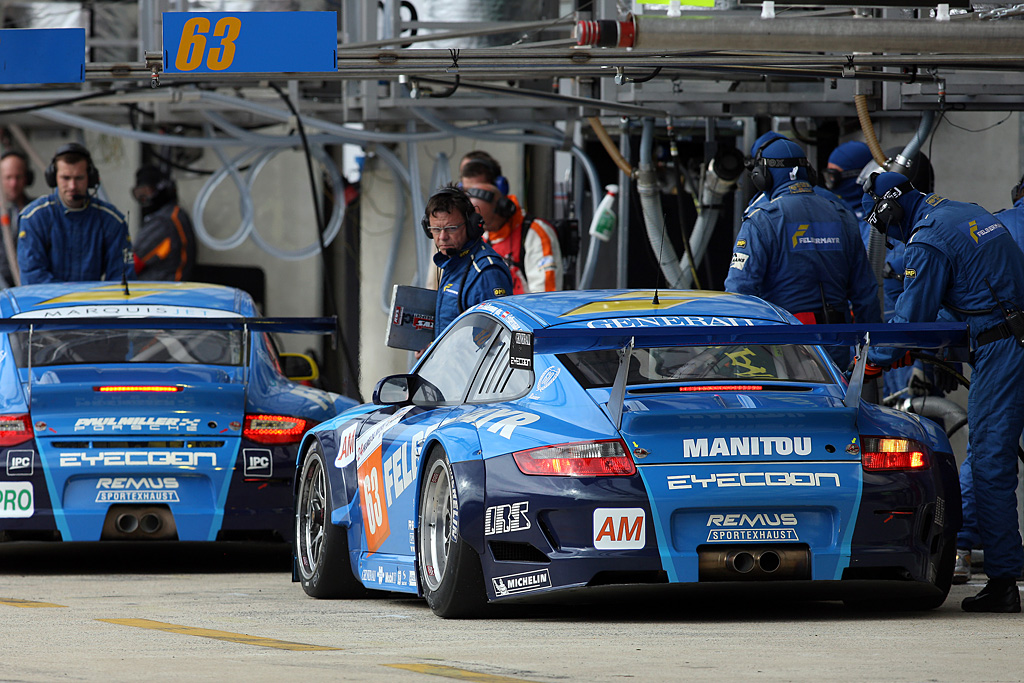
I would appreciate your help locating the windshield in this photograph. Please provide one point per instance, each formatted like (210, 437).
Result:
(77, 347)
(775, 362)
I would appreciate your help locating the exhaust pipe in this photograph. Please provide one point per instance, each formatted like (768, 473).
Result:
(150, 523)
(127, 523)
(753, 563)
(742, 562)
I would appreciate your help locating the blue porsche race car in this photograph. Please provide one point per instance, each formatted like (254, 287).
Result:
(156, 413)
(577, 439)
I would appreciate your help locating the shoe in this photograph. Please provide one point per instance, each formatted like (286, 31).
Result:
(998, 595)
(962, 568)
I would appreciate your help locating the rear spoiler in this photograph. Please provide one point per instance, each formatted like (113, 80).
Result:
(328, 325)
(900, 335)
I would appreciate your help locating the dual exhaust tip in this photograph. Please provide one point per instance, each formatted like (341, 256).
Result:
(744, 562)
(777, 562)
(139, 523)
(148, 523)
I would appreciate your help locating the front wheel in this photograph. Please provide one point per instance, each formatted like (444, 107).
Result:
(321, 548)
(450, 573)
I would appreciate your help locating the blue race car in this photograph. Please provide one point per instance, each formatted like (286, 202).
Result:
(576, 439)
(157, 414)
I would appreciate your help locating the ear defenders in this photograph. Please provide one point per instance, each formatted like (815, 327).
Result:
(504, 207)
(887, 209)
(93, 175)
(30, 176)
(760, 174)
(459, 200)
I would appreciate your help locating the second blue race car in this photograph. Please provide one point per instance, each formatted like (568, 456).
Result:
(159, 413)
(578, 439)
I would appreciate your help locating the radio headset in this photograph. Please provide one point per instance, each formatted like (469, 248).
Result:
(474, 221)
(760, 173)
(93, 175)
(504, 207)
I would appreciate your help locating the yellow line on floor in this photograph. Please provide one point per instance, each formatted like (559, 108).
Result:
(15, 602)
(458, 674)
(216, 635)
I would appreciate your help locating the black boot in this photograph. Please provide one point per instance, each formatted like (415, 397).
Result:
(998, 595)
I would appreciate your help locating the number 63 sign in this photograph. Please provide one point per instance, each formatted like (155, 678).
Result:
(250, 42)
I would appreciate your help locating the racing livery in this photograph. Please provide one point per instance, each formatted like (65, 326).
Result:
(575, 439)
(155, 413)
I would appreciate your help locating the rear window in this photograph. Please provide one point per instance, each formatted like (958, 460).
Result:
(90, 347)
(775, 362)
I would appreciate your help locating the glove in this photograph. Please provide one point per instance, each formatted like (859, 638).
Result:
(902, 361)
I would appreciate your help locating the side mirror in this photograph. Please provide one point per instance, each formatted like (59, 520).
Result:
(393, 390)
(299, 367)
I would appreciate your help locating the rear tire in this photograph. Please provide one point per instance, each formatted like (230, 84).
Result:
(321, 548)
(450, 573)
(943, 581)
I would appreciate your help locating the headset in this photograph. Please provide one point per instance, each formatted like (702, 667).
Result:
(505, 207)
(887, 209)
(834, 177)
(494, 171)
(30, 176)
(92, 174)
(457, 197)
(760, 175)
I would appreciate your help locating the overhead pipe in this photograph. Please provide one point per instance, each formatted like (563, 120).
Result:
(724, 31)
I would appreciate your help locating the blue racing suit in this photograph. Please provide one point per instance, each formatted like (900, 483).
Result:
(800, 250)
(58, 244)
(960, 257)
(968, 537)
(473, 275)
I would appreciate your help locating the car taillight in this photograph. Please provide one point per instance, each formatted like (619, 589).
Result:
(15, 429)
(581, 459)
(884, 453)
(274, 428)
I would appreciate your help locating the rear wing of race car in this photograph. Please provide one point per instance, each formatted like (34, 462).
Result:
(568, 339)
(322, 325)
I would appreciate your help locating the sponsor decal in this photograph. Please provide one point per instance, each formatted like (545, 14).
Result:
(137, 490)
(934, 200)
(506, 519)
(383, 577)
(746, 445)
(815, 236)
(741, 244)
(20, 463)
(139, 459)
(739, 261)
(639, 301)
(671, 321)
(909, 272)
(257, 462)
(546, 379)
(620, 528)
(347, 448)
(138, 424)
(400, 472)
(17, 500)
(982, 233)
(521, 583)
(503, 421)
(761, 526)
(730, 479)
(498, 291)
(124, 311)
(521, 351)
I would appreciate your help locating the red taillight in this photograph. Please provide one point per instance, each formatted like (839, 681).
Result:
(119, 388)
(581, 459)
(274, 428)
(884, 453)
(15, 429)
(724, 387)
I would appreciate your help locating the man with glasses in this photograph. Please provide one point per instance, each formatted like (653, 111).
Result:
(470, 271)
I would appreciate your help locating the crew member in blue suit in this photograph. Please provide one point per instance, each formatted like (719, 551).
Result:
(1013, 218)
(961, 257)
(471, 271)
(844, 165)
(799, 250)
(71, 235)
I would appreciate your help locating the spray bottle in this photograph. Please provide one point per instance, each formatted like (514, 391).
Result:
(604, 221)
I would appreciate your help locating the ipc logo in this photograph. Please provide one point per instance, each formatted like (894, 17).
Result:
(258, 462)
